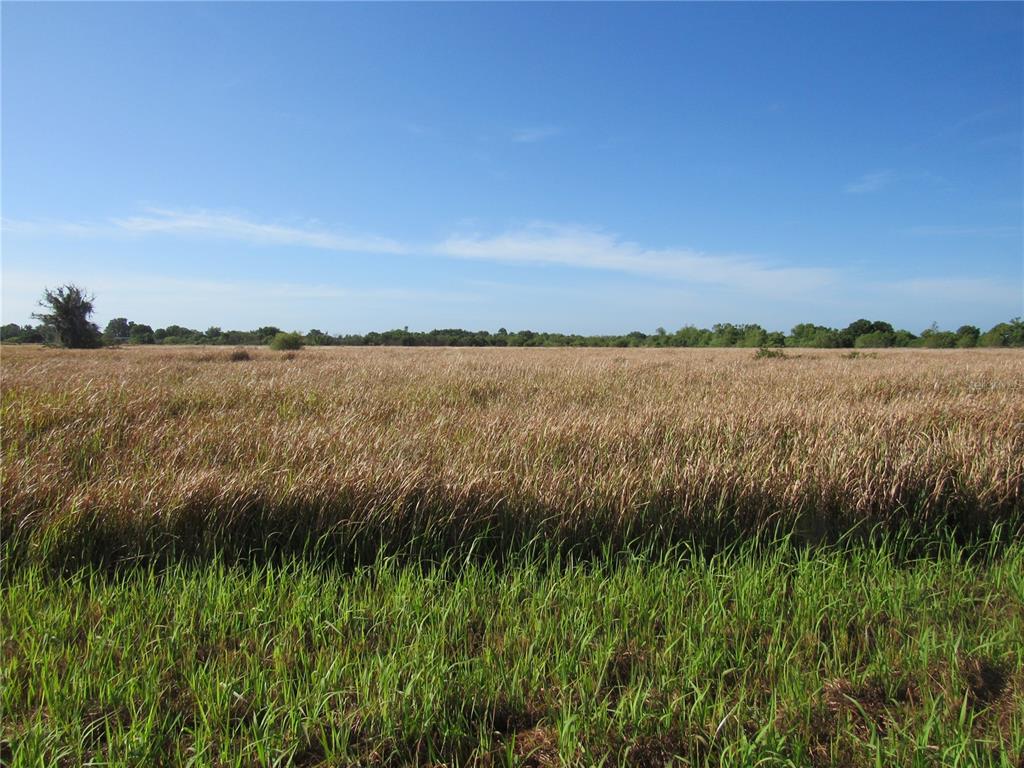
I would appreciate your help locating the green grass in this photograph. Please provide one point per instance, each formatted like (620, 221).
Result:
(769, 656)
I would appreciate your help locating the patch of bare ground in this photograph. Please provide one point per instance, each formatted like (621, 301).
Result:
(536, 747)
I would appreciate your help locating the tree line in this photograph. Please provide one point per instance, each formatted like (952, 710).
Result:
(68, 308)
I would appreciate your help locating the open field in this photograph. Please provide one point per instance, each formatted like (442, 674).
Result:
(512, 557)
(130, 453)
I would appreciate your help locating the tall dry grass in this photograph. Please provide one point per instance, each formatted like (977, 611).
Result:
(115, 454)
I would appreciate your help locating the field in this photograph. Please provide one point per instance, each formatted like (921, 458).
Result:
(524, 557)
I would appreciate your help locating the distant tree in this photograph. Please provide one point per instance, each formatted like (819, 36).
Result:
(967, 336)
(848, 336)
(752, 336)
(25, 334)
(903, 338)
(10, 332)
(724, 335)
(935, 338)
(1009, 334)
(141, 334)
(68, 318)
(317, 338)
(875, 339)
(174, 331)
(266, 333)
(691, 336)
(283, 341)
(810, 335)
(117, 329)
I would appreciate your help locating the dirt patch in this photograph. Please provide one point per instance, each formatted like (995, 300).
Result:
(537, 747)
(622, 667)
(871, 700)
(652, 752)
(987, 680)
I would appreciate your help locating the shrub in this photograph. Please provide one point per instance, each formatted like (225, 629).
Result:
(239, 354)
(1009, 334)
(766, 352)
(286, 341)
(875, 339)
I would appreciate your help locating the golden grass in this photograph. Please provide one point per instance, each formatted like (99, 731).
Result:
(117, 453)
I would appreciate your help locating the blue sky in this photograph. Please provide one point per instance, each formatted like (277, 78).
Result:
(577, 167)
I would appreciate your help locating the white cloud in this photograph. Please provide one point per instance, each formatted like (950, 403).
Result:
(537, 244)
(159, 221)
(870, 182)
(589, 249)
(233, 227)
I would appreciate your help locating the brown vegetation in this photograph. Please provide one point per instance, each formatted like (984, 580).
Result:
(126, 452)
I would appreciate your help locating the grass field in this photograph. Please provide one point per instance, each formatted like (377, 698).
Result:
(512, 557)
(131, 453)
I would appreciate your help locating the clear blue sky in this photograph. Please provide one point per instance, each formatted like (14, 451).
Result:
(587, 168)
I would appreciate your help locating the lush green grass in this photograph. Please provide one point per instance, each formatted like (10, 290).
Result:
(780, 656)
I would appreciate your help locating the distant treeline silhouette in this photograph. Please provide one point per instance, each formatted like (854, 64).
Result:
(858, 334)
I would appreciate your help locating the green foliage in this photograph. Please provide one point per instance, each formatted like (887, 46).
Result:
(875, 339)
(753, 336)
(860, 333)
(765, 352)
(286, 341)
(12, 333)
(1009, 334)
(877, 330)
(68, 317)
(265, 334)
(774, 656)
(317, 338)
(141, 334)
(810, 335)
(117, 330)
(967, 336)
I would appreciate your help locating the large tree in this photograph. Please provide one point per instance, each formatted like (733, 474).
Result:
(68, 318)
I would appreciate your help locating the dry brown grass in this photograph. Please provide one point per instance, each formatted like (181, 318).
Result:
(117, 453)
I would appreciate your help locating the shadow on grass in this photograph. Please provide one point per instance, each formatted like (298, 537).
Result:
(429, 525)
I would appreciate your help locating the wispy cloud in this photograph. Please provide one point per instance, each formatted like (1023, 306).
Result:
(159, 221)
(205, 224)
(870, 182)
(541, 243)
(590, 249)
(535, 134)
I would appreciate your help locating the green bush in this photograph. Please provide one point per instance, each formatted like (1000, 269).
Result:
(1009, 334)
(283, 341)
(875, 339)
